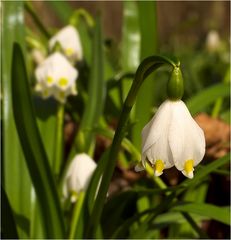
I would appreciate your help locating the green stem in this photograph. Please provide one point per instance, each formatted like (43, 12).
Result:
(37, 21)
(217, 107)
(59, 140)
(76, 214)
(146, 67)
(74, 20)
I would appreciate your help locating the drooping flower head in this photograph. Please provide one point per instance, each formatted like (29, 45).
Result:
(172, 137)
(70, 43)
(56, 77)
(78, 175)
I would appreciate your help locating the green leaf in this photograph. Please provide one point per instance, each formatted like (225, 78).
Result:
(125, 205)
(15, 176)
(96, 94)
(145, 98)
(221, 214)
(206, 97)
(34, 151)
(45, 111)
(152, 214)
(62, 9)
(131, 37)
(8, 227)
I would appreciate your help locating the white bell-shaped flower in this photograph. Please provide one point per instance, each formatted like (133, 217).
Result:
(56, 77)
(213, 41)
(172, 137)
(78, 175)
(69, 40)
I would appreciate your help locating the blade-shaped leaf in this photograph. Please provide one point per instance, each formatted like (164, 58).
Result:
(145, 98)
(15, 175)
(34, 151)
(96, 94)
(221, 214)
(208, 96)
(8, 227)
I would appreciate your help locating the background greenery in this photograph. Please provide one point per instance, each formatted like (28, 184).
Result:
(139, 205)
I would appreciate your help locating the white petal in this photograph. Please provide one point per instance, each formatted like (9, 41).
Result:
(154, 129)
(78, 174)
(69, 40)
(139, 168)
(57, 76)
(186, 138)
(155, 144)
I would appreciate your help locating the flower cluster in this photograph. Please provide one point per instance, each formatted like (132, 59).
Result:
(56, 75)
(172, 137)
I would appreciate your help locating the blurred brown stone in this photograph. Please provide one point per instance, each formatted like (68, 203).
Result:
(217, 135)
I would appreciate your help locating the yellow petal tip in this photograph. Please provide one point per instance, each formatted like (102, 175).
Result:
(188, 168)
(159, 167)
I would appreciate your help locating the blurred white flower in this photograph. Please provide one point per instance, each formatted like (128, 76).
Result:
(171, 138)
(69, 40)
(56, 77)
(78, 175)
(213, 41)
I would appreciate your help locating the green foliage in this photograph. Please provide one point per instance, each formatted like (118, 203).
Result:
(15, 174)
(34, 151)
(104, 125)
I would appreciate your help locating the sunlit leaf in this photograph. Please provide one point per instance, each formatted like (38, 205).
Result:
(220, 214)
(33, 149)
(15, 175)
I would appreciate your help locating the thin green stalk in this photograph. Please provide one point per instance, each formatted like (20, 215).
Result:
(218, 104)
(37, 21)
(76, 214)
(217, 107)
(194, 225)
(146, 67)
(59, 140)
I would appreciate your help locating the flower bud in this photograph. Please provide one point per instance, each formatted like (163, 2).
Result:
(175, 87)
(78, 175)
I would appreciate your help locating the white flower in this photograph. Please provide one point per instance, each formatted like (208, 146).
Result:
(213, 41)
(78, 175)
(69, 40)
(56, 77)
(171, 138)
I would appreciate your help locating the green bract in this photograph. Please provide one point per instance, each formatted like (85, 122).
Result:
(175, 87)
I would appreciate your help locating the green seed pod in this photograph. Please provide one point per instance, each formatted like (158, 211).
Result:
(175, 87)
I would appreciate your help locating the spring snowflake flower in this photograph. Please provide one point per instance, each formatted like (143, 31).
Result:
(172, 137)
(213, 41)
(56, 77)
(78, 175)
(70, 43)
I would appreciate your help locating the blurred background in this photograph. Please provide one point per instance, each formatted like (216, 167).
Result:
(185, 22)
